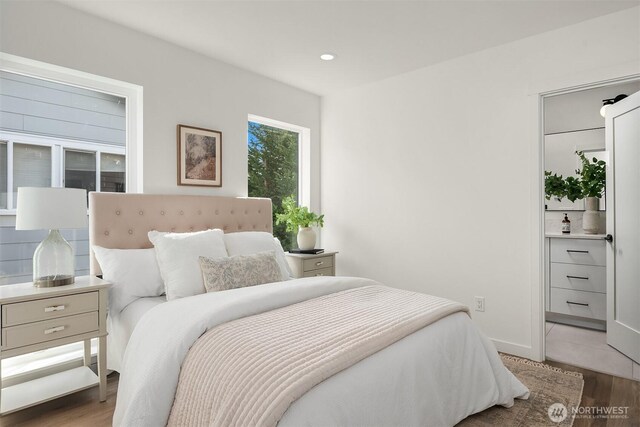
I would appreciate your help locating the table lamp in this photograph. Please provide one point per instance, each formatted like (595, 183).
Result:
(52, 209)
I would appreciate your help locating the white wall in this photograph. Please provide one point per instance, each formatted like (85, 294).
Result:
(431, 180)
(180, 86)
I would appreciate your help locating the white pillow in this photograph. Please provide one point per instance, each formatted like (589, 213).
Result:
(282, 260)
(133, 273)
(253, 242)
(178, 258)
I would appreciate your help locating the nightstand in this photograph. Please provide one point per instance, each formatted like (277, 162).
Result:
(308, 265)
(35, 319)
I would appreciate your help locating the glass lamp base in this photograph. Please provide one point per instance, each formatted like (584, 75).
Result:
(51, 281)
(53, 262)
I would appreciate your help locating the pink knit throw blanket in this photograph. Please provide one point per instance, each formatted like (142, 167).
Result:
(247, 372)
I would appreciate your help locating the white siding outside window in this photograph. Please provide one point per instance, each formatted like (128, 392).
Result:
(3, 176)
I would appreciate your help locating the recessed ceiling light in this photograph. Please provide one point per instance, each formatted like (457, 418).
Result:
(327, 56)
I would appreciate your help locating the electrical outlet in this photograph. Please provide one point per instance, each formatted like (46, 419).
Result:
(479, 303)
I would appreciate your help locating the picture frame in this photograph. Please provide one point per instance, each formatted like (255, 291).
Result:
(199, 156)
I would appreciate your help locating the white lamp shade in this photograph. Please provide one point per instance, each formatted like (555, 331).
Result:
(41, 208)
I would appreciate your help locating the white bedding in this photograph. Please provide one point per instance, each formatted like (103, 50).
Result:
(121, 325)
(436, 376)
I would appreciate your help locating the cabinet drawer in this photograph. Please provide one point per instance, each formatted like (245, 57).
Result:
(579, 277)
(577, 251)
(579, 303)
(319, 272)
(317, 263)
(48, 330)
(48, 308)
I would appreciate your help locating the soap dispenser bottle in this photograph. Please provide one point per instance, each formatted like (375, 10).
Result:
(566, 225)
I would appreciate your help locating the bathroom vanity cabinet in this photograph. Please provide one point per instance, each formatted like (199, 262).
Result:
(576, 282)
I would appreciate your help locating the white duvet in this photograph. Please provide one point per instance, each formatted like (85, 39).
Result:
(434, 377)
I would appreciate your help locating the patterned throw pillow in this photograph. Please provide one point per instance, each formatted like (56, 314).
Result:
(220, 274)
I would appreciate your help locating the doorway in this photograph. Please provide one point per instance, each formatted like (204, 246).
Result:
(575, 261)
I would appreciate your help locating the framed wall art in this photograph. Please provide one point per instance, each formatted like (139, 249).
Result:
(199, 156)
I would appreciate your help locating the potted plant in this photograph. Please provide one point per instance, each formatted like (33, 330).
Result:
(590, 185)
(300, 219)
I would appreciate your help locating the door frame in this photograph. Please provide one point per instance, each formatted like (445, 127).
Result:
(541, 297)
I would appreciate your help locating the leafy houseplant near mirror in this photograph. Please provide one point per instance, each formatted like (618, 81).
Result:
(589, 185)
(299, 218)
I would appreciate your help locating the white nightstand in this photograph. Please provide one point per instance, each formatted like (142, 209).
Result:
(35, 319)
(307, 265)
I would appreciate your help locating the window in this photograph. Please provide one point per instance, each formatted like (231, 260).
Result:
(80, 170)
(61, 128)
(274, 164)
(112, 173)
(73, 106)
(55, 134)
(38, 161)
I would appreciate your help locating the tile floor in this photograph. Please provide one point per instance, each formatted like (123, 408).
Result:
(588, 349)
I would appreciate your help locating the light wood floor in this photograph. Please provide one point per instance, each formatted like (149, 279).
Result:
(604, 390)
(83, 409)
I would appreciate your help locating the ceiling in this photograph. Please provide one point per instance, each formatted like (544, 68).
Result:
(372, 40)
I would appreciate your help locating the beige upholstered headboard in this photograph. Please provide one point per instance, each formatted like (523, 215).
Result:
(122, 221)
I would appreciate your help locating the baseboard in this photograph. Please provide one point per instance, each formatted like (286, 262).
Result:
(598, 325)
(515, 349)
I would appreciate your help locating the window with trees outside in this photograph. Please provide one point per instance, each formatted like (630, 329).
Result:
(274, 170)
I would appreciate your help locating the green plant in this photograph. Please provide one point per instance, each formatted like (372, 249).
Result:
(593, 176)
(590, 182)
(573, 188)
(554, 186)
(295, 216)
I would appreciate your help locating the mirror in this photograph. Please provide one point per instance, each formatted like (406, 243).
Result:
(560, 158)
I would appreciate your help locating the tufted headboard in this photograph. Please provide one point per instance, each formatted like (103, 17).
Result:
(122, 221)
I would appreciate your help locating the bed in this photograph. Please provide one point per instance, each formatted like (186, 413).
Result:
(120, 326)
(122, 221)
(437, 373)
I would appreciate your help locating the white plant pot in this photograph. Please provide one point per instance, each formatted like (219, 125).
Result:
(591, 216)
(306, 238)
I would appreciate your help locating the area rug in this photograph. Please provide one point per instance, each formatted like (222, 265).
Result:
(549, 386)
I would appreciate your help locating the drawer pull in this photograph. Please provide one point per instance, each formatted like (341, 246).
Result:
(52, 330)
(319, 263)
(320, 274)
(577, 277)
(576, 251)
(54, 308)
(578, 303)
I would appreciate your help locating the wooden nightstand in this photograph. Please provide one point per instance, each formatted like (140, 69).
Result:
(306, 265)
(35, 319)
